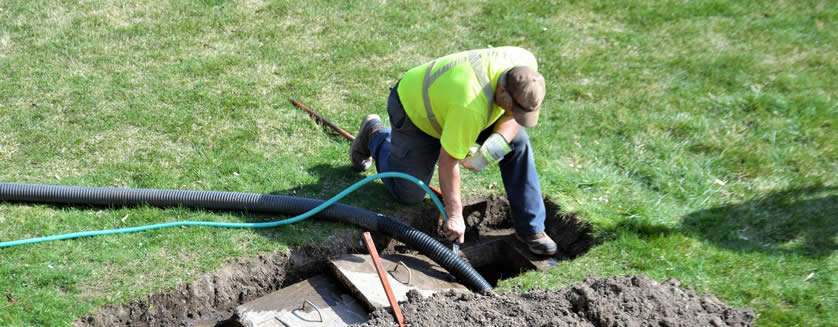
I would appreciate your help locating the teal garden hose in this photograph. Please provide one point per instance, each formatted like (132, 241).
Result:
(266, 203)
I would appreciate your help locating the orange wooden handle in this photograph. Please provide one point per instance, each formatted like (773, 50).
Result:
(321, 119)
(342, 132)
(384, 281)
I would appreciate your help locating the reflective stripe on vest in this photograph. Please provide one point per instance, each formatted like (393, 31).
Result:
(473, 57)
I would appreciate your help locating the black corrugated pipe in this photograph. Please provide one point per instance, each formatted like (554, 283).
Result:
(250, 202)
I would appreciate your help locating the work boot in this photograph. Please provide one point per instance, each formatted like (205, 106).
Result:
(359, 152)
(539, 243)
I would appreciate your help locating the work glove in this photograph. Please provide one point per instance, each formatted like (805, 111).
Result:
(493, 150)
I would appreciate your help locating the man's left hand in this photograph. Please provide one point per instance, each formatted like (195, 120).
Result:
(467, 164)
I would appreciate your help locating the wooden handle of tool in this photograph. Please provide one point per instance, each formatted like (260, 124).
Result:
(394, 304)
(321, 119)
(343, 132)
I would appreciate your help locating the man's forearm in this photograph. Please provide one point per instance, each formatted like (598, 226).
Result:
(507, 127)
(449, 182)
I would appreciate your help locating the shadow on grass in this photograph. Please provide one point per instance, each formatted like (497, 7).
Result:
(331, 180)
(798, 221)
(643, 229)
(373, 195)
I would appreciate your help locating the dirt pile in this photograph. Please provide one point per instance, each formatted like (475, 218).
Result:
(612, 301)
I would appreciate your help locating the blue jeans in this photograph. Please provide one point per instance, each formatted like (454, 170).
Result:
(405, 148)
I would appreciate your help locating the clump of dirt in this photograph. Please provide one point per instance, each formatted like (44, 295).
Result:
(612, 301)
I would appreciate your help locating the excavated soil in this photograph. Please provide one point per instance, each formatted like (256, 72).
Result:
(613, 301)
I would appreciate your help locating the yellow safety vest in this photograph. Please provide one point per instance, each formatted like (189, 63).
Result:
(452, 98)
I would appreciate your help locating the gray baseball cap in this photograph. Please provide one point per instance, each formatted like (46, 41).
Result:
(527, 88)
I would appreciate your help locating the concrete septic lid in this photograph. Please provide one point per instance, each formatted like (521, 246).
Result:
(405, 273)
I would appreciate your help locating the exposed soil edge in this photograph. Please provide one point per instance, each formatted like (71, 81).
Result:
(573, 236)
(215, 296)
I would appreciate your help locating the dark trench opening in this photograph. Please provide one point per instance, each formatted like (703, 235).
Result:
(497, 271)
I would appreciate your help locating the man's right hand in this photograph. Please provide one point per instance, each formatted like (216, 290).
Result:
(449, 181)
(455, 228)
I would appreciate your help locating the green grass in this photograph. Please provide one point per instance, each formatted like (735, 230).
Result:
(698, 138)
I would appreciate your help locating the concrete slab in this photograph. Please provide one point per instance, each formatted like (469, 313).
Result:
(284, 308)
(359, 275)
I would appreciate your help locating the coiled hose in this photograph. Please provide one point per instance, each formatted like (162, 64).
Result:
(249, 202)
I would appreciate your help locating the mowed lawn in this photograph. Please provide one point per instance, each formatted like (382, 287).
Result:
(698, 138)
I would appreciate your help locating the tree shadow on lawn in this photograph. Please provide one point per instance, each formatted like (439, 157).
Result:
(799, 221)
